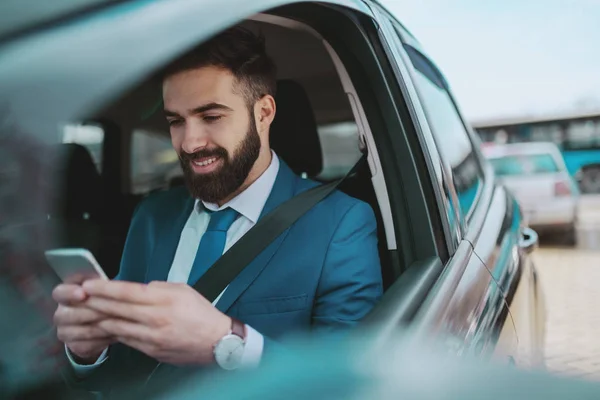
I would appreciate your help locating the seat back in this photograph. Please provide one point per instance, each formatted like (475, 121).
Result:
(293, 134)
(80, 184)
(75, 211)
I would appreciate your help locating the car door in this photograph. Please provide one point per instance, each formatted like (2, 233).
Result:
(85, 82)
(493, 223)
(441, 286)
(467, 303)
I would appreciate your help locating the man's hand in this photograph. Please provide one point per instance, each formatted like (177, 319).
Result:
(76, 325)
(170, 322)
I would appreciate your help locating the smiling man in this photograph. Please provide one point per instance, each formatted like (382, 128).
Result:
(321, 274)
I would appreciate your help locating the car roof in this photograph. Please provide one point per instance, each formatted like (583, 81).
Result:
(21, 15)
(511, 149)
(37, 64)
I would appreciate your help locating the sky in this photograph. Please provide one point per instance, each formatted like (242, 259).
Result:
(511, 58)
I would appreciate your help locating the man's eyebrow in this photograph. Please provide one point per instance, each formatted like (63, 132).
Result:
(210, 107)
(200, 109)
(169, 113)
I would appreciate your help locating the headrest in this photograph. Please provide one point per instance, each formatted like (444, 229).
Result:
(79, 182)
(293, 133)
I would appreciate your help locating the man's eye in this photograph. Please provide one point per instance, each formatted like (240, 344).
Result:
(212, 118)
(175, 122)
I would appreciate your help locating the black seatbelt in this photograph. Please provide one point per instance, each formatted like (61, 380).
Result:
(266, 230)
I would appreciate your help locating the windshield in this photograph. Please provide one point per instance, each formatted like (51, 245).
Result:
(526, 164)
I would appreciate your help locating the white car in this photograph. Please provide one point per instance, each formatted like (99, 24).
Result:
(537, 176)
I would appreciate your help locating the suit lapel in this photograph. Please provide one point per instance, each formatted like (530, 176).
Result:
(170, 224)
(283, 189)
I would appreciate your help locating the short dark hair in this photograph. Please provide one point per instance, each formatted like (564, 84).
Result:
(241, 52)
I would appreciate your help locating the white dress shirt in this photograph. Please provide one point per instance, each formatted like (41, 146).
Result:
(249, 204)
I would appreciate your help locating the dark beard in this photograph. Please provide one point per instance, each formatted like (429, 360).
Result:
(218, 185)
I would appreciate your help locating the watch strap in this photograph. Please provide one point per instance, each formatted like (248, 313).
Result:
(238, 328)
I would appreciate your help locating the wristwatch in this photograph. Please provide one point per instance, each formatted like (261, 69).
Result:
(229, 350)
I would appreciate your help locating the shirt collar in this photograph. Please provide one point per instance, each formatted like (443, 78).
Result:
(252, 200)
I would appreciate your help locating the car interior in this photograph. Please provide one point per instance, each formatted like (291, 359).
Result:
(315, 132)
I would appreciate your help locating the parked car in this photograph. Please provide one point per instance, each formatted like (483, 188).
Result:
(538, 177)
(453, 245)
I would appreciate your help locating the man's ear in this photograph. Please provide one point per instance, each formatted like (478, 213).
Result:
(264, 113)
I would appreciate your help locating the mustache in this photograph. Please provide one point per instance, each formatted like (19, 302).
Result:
(218, 152)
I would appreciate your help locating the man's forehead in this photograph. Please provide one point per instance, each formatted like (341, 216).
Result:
(193, 88)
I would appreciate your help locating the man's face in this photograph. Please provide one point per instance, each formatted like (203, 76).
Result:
(213, 131)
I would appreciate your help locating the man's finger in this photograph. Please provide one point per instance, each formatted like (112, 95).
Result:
(79, 315)
(68, 294)
(144, 314)
(73, 333)
(130, 292)
(127, 329)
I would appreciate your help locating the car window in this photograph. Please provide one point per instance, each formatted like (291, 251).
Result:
(529, 164)
(90, 136)
(154, 162)
(448, 129)
(339, 145)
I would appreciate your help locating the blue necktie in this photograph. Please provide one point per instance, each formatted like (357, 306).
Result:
(212, 243)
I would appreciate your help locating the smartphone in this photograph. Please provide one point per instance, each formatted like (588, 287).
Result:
(74, 265)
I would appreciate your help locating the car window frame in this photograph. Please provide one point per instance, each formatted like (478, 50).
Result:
(473, 223)
(426, 260)
(443, 84)
(388, 117)
(438, 170)
(422, 274)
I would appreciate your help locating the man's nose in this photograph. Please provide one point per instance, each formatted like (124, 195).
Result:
(194, 138)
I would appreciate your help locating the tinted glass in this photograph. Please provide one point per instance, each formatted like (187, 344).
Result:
(339, 145)
(154, 162)
(524, 164)
(446, 124)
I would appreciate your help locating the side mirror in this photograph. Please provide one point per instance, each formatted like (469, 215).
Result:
(528, 240)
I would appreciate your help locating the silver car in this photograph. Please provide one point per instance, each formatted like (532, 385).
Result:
(537, 176)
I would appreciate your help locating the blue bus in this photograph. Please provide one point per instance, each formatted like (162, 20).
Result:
(577, 135)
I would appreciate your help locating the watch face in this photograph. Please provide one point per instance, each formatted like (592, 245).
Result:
(229, 352)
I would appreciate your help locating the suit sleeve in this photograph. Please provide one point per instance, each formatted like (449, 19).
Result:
(351, 282)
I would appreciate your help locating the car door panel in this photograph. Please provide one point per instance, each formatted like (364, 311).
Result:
(439, 170)
(499, 247)
(467, 304)
(466, 307)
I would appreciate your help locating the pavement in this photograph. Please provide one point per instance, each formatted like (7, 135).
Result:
(571, 283)
(588, 226)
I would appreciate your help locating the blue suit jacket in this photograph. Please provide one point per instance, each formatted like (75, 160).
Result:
(322, 273)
